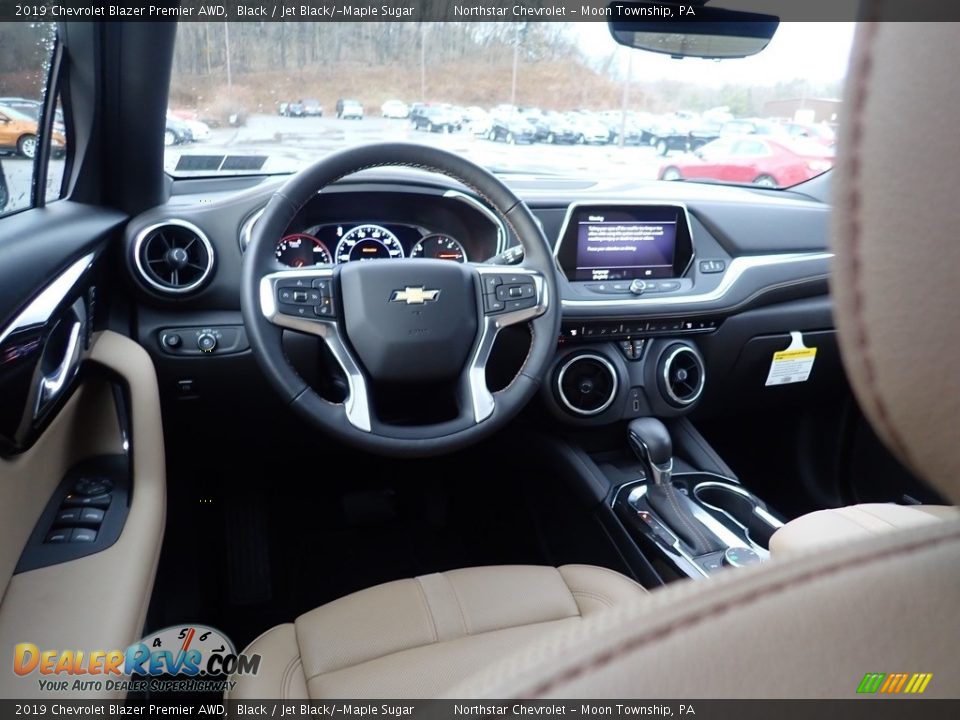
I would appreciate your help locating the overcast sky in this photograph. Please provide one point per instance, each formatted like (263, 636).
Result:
(816, 51)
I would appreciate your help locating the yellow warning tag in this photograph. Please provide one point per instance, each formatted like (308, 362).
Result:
(792, 365)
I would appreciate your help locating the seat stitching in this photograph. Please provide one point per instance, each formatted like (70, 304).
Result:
(871, 515)
(605, 599)
(418, 647)
(608, 571)
(860, 94)
(456, 597)
(734, 603)
(426, 603)
(288, 676)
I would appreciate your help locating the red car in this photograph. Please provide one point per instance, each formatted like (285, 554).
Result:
(751, 159)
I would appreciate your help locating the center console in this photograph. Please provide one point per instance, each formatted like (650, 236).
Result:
(619, 358)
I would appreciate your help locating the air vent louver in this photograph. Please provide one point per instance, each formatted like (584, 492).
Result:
(587, 384)
(173, 257)
(683, 375)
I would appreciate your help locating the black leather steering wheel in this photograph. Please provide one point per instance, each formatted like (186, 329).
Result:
(423, 323)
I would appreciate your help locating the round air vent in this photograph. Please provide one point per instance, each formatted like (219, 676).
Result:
(681, 375)
(173, 257)
(587, 384)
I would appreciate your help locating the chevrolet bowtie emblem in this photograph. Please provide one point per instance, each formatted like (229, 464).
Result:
(415, 295)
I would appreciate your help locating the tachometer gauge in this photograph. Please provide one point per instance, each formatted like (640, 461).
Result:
(302, 250)
(439, 247)
(368, 242)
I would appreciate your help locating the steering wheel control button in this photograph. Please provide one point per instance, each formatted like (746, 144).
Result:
(97, 501)
(492, 305)
(324, 308)
(708, 267)
(206, 342)
(490, 283)
(323, 286)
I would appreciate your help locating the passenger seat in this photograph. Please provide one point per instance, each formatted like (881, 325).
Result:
(839, 526)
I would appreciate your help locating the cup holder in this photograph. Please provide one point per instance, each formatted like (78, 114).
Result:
(739, 506)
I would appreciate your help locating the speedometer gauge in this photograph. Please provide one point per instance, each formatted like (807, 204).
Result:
(368, 242)
(302, 250)
(439, 247)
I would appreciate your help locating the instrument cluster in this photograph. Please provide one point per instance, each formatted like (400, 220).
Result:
(333, 243)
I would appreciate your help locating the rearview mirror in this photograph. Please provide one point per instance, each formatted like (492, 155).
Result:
(691, 30)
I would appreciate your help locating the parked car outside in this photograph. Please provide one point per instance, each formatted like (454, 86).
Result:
(18, 133)
(435, 118)
(395, 110)
(349, 109)
(294, 109)
(177, 131)
(512, 128)
(752, 159)
(312, 108)
(476, 120)
(818, 132)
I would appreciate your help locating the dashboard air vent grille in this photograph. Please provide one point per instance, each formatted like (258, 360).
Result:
(173, 257)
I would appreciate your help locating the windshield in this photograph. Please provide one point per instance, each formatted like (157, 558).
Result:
(535, 98)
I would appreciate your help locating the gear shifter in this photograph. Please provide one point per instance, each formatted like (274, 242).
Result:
(650, 441)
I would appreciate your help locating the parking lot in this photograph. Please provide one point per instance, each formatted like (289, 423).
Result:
(291, 143)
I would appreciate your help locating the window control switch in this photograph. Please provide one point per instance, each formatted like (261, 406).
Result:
(68, 516)
(60, 535)
(97, 501)
(91, 516)
(83, 535)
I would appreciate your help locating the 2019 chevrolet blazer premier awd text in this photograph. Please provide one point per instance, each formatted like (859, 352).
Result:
(629, 379)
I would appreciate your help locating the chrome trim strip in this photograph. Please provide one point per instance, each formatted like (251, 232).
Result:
(356, 405)
(576, 357)
(470, 200)
(163, 289)
(665, 376)
(625, 203)
(42, 307)
(639, 492)
(759, 511)
(246, 228)
(736, 269)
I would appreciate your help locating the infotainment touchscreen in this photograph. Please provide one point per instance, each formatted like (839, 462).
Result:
(625, 242)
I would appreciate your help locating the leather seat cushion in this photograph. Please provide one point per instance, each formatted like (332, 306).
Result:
(826, 528)
(420, 637)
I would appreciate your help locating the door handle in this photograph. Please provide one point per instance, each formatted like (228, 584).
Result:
(50, 385)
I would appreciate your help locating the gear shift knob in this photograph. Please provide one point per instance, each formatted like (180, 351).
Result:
(650, 441)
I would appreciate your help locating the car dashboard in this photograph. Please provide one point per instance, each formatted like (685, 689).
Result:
(690, 336)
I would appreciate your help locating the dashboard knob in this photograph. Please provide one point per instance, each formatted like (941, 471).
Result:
(740, 557)
(637, 287)
(206, 342)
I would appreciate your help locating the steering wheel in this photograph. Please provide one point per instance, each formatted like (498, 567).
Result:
(422, 323)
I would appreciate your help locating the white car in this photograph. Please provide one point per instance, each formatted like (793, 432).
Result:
(199, 130)
(395, 110)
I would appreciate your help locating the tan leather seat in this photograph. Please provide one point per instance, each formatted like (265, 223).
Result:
(418, 638)
(838, 526)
